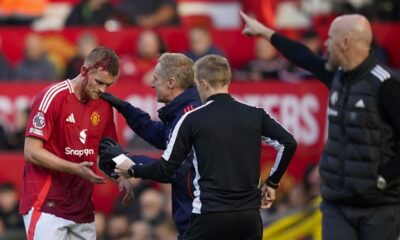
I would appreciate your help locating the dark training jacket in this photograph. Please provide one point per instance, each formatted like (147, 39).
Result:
(158, 134)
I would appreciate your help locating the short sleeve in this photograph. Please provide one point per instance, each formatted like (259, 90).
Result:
(42, 117)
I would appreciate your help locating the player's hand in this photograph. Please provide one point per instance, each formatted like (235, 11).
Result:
(83, 170)
(254, 27)
(113, 100)
(122, 168)
(125, 186)
(267, 196)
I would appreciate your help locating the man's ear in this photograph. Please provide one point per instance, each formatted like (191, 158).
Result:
(84, 71)
(204, 84)
(171, 83)
(345, 44)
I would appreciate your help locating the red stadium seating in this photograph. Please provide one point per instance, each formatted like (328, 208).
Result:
(238, 48)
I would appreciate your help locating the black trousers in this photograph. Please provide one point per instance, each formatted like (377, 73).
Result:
(360, 223)
(238, 225)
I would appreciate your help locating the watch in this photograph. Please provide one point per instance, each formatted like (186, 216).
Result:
(381, 183)
(131, 172)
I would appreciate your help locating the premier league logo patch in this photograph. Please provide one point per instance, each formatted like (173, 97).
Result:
(39, 120)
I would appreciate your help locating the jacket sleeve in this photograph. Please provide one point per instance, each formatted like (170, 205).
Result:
(303, 57)
(284, 143)
(140, 122)
(179, 147)
(145, 160)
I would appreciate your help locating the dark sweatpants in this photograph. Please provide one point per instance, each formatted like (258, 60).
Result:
(240, 225)
(360, 223)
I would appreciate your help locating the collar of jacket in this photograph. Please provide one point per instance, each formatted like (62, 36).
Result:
(219, 96)
(170, 111)
(361, 70)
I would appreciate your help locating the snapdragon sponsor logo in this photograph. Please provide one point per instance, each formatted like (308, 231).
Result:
(79, 152)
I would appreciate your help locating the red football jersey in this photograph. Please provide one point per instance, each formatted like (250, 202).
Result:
(71, 130)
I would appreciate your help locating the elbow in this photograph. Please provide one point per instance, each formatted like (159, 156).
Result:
(32, 148)
(29, 155)
(293, 144)
(290, 144)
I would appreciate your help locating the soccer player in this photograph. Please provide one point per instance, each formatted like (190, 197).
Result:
(66, 124)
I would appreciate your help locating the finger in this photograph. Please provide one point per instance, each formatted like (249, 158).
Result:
(244, 16)
(95, 176)
(266, 204)
(270, 198)
(86, 164)
(128, 197)
(98, 181)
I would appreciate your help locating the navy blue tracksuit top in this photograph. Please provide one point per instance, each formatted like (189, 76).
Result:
(158, 133)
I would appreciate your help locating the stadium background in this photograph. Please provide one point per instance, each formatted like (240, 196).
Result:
(299, 104)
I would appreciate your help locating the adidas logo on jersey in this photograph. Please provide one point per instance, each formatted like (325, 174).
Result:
(360, 104)
(70, 118)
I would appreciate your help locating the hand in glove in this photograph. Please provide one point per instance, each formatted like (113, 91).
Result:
(108, 149)
(113, 100)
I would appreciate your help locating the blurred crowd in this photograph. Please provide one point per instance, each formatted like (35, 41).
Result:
(37, 61)
(37, 65)
(156, 13)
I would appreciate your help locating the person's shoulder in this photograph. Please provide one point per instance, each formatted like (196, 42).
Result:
(53, 93)
(383, 73)
(247, 109)
(246, 105)
(197, 112)
(104, 105)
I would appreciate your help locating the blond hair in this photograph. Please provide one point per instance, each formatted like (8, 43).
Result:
(214, 69)
(178, 66)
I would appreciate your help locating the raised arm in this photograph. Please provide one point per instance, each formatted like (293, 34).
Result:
(295, 52)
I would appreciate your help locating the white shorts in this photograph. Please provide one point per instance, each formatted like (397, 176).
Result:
(45, 226)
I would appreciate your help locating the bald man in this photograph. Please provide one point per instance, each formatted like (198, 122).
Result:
(360, 164)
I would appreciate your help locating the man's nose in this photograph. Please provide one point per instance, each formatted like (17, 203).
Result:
(102, 88)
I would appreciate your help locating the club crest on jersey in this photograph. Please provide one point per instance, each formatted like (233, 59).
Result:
(95, 118)
(39, 120)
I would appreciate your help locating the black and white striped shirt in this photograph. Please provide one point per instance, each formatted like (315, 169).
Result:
(225, 137)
